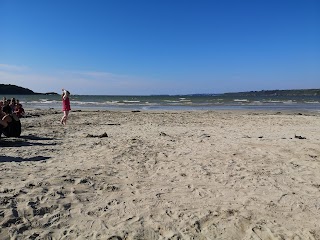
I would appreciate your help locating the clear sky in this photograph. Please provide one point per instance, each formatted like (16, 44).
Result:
(160, 46)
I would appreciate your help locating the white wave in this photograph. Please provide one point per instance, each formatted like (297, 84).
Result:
(130, 101)
(289, 102)
(272, 101)
(86, 103)
(42, 101)
(256, 103)
(111, 102)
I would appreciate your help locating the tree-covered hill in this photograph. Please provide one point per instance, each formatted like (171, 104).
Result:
(270, 93)
(9, 89)
(15, 90)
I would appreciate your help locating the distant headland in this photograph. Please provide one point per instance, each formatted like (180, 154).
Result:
(271, 93)
(266, 93)
(9, 89)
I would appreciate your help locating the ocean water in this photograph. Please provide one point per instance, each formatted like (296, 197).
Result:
(166, 102)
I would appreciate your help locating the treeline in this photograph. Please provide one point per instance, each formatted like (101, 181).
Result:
(15, 90)
(8, 89)
(269, 93)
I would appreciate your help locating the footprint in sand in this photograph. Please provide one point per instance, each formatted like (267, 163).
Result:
(114, 238)
(259, 232)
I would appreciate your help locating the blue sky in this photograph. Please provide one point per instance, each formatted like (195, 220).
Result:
(160, 46)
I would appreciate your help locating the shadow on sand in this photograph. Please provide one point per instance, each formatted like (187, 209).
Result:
(22, 141)
(34, 137)
(20, 159)
(25, 141)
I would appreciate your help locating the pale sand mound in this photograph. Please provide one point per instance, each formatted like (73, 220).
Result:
(162, 175)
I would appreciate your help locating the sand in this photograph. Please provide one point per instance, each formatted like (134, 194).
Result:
(162, 175)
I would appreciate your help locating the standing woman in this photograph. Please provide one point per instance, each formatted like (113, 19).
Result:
(65, 106)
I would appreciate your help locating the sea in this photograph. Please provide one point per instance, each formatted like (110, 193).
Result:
(172, 102)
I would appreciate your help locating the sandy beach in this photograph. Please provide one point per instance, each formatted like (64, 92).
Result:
(162, 175)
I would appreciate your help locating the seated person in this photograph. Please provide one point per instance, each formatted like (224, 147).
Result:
(10, 124)
(12, 104)
(1, 113)
(19, 111)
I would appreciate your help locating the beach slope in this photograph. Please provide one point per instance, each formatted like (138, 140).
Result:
(162, 175)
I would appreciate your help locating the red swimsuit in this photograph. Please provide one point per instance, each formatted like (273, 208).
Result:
(66, 104)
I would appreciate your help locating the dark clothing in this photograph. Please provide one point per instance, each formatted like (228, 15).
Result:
(13, 129)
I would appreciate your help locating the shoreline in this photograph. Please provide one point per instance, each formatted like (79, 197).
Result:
(298, 107)
(162, 175)
(133, 110)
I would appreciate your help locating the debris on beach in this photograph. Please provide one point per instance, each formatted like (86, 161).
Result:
(99, 136)
(299, 137)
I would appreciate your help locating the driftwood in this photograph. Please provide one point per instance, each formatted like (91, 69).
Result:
(103, 135)
(299, 137)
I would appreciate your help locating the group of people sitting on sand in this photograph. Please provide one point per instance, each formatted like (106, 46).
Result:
(10, 112)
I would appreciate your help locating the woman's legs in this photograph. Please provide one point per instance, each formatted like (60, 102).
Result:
(65, 117)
